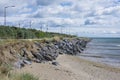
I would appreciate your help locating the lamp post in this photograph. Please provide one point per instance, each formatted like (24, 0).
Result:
(5, 14)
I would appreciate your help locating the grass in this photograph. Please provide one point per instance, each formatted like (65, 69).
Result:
(12, 41)
(12, 32)
(24, 76)
(7, 41)
(5, 74)
(5, 69)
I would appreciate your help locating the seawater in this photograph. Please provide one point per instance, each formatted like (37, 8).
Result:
(105, 50)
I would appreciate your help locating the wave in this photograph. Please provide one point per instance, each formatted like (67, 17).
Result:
(118, 45)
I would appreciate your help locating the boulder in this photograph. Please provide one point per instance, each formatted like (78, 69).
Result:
(49, 51)
(19, 64)
(55, 63)
(27, 62)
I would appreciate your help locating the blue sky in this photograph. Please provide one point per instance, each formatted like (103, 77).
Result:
(81, 17)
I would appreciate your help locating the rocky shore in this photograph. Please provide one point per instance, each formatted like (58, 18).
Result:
(26, 52)
(71, 68)
(54, 60)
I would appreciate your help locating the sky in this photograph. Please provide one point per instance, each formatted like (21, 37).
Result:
(91, 18)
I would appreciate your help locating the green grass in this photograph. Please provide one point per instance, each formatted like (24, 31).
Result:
(24, 76)
(5, 74)
(7, 32)
(5, 69)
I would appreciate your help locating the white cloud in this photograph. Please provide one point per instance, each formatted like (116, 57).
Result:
(73, 13)
(109, 11)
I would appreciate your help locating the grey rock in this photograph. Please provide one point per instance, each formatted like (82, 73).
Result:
(37, 61)
(27, 62)
(19, 64)
(50, 51)
(55, 63)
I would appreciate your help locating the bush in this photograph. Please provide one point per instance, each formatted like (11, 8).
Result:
(7, 32)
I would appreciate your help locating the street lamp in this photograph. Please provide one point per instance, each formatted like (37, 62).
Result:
(5, 14)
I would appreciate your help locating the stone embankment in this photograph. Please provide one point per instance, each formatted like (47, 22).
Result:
(26, 52)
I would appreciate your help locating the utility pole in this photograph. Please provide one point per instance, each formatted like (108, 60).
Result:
(19, 25)
(46, 28)
(5, 16)
(69, 30)
(30, 24)
(5, 8)
(41, 27)
(61, 29)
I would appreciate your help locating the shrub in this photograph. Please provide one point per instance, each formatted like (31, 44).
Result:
(7, 32)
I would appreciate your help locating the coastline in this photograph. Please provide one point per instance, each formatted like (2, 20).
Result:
(72, 68)
(104, 50)
(67, 66)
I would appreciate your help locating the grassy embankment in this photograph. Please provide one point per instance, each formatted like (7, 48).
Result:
(7, 32)
(9, 35)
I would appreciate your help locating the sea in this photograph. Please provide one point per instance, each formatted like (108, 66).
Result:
(104, 50)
